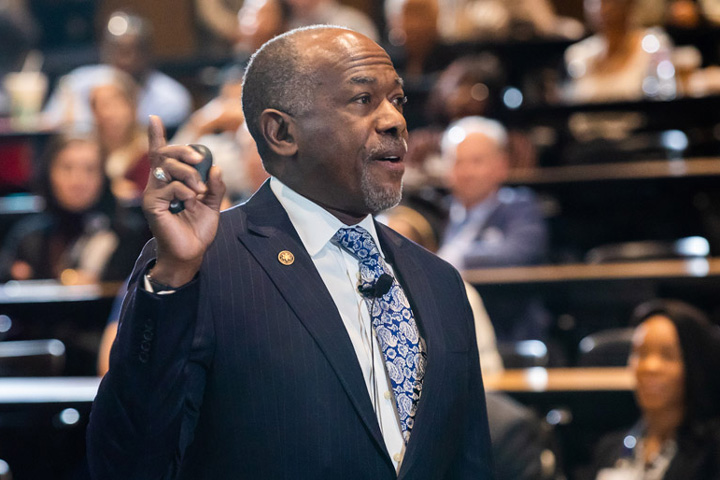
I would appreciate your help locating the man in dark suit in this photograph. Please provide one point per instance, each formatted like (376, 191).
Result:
(491, 225)
(245, 349)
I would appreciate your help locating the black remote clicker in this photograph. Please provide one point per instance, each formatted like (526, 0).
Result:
(177, 206)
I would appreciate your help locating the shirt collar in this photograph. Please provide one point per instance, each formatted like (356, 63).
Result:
(480, 211)
(315, 225)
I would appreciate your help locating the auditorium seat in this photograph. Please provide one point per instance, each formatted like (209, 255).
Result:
(32, 358)
(688, 247)
(523, 354)
(607, 348)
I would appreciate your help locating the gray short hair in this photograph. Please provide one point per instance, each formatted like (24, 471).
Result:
(459, 130)
(278, 77)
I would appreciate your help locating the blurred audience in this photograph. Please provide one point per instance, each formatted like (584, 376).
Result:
(123, 141)
(491, 225)
(676, 13)
(469, 86)
(219, 18)
(257, 22)
(675, 359)
(413, 37)
(18, 34)
(504, 19)
(621, 61)
(81, 237)
(126, 46)
(310, 12)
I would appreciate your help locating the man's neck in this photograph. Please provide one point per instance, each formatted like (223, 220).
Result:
(345, 216)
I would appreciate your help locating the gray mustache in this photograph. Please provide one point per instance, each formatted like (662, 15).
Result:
(386, 146)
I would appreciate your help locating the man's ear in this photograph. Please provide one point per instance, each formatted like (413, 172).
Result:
(278, 129)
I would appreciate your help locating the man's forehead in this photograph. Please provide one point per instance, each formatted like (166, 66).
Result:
(344, 50)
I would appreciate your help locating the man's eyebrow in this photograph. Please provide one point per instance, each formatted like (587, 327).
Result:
(363, 80)
(360, 80)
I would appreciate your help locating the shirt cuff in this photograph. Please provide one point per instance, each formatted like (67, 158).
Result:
(156, 288)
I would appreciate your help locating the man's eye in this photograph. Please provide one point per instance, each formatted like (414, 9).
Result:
(364, 99)
(400, 101)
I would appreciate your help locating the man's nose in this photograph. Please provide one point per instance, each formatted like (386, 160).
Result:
(390, 120)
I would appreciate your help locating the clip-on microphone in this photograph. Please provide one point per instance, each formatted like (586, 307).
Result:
(379, 288)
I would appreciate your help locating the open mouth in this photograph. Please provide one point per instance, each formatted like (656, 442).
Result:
(390, 158)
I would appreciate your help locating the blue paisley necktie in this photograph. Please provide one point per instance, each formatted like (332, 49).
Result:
(394, 325)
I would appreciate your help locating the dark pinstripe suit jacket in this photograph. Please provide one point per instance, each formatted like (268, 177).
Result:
(248, 371)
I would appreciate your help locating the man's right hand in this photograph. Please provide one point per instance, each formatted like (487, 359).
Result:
(182, 238)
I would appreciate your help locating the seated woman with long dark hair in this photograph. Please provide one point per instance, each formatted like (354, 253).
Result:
(81, 237)
(676, 359)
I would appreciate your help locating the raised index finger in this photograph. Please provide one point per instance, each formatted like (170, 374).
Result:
(156, 135)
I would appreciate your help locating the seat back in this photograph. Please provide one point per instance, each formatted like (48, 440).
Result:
(32, 358)
(607, 348)
(688, 247)
(523, 354)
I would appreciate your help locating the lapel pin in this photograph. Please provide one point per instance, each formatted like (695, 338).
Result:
(286, 257)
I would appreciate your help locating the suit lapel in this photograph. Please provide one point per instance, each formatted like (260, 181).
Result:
(270, 232)
(419, 290)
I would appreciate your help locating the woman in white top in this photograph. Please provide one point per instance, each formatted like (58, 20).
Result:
(620, 61)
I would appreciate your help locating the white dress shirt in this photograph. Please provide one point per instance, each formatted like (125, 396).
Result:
(340, 272)
(463, 228)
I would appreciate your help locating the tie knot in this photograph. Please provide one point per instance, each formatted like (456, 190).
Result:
(358, 242)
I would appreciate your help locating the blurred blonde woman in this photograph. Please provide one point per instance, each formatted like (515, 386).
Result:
(122, 139)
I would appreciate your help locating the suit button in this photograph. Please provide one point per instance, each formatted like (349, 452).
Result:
(397, 457)
(144, 357)
(388, 395)
(145, 346)
(148, 335)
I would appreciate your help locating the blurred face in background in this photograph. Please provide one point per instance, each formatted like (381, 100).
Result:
(466, 99)
(658, 364)
(76, 176)
(114, 114)
(258, 22)
(416, 25)
(127, 53)
(608, 16)
(480, 167)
